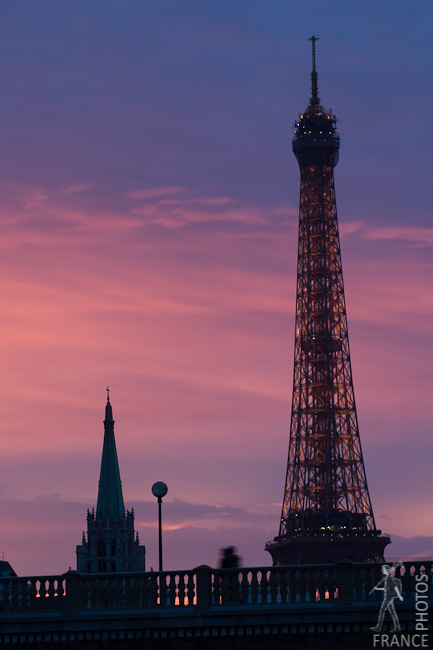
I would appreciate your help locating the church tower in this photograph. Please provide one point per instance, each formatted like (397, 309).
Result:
(111, 544)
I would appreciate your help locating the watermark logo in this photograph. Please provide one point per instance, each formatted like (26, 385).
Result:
(392, 589)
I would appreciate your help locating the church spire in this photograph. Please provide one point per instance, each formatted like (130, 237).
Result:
(110, 504)
(111, 544)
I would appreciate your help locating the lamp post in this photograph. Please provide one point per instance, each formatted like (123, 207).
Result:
(159, 490)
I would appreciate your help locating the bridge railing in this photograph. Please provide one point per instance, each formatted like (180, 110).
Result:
(36, 594)
(341, 583)
(135, 590)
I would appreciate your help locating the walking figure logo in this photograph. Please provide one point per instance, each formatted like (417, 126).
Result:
(391, 588)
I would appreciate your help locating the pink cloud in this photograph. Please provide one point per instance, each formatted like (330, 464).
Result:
(209, 201)
(423, 236)
(177, 214)
(349, 227)
(33, 198)
(154, 192)
(287, 211)
(73, 189)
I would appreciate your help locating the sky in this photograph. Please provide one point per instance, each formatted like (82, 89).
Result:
(148, 241)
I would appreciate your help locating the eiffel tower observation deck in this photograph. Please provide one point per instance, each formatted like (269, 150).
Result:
(327, 513)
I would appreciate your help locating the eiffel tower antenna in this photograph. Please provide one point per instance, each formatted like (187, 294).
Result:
(314, 85)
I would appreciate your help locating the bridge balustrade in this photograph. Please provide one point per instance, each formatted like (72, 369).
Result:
(36, 594)
(342, 583)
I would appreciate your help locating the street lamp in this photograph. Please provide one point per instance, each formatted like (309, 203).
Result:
(159, 490)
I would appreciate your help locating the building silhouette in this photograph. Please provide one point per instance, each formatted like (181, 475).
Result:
(327, 513)
(6, 569)
(111, 543)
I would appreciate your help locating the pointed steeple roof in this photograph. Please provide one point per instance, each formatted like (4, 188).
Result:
(110, 498)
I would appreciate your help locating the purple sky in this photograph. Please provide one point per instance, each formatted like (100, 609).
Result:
(149, 201)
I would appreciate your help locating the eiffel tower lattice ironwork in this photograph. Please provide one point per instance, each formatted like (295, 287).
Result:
(327, 513)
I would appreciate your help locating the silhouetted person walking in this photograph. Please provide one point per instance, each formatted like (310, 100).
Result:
(229, 558)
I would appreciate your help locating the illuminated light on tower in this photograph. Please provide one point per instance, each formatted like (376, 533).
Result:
(327, 513)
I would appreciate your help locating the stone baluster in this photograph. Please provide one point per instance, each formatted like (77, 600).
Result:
(226, 595)
(264, 587)
(17, 597)
(173, 591)
(121, 582)
(261, 586)
(16, 589)
(273, 586)
(50, 598)
(8, 596)
(216, 588)
(19, 601)
(192, 590)
(115, 591)
(33, 600)
(102, 592)
(128, 592)
(284, 581)
(322, 582)
(169, 582)
(42, 595)
(243, 587)
(254, 587)
(137, 600)
(22, 596)
(293, 585)
(181, 597)
(161, 589)
(310, 584)
(301, 585)
(98, 592)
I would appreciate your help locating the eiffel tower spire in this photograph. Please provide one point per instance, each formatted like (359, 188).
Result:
(314, 101)
(327, 513)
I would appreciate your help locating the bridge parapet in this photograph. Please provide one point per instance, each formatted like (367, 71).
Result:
(204, 588)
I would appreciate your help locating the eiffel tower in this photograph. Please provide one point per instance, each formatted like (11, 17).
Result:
(327, 513)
